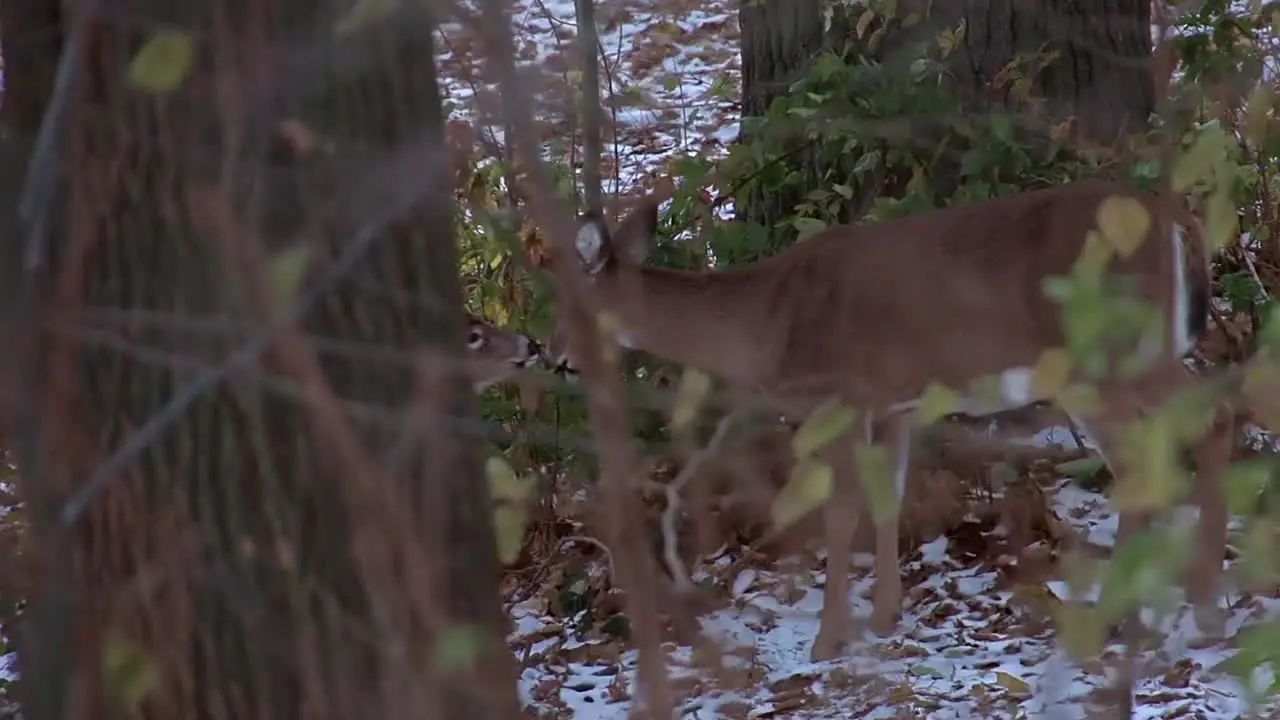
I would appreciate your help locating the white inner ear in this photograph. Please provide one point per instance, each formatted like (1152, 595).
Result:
(590, 243)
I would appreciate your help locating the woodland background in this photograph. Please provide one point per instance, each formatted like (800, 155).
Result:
(212, 513)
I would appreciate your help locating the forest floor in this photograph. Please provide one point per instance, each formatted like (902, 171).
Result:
(973, 641)
(976, 639)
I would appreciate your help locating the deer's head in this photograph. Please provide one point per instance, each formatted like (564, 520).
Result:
(495, 355)
(611, 262)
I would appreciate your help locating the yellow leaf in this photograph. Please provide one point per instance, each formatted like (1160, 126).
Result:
(610, 327)
(937, 402)
(864, 21)
(287, 269)
(1154, 473)
(1014, 684)
(693, 389)
(808, 487)
(1196, 162)
(1257, 116)
(503, 482)
(1051, 373)
(1079, 399)
(831, 420)
(508, 530)
(1080, 630)
(1124, 223)
(1221, 220)
(128, 673)
(163, 62)
(876, 471)
(1094, 255)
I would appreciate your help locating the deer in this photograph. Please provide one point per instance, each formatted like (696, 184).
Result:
(494, 356)
(873, 314)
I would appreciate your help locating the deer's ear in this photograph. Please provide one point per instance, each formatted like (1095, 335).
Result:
(636, 234)
(592, 243)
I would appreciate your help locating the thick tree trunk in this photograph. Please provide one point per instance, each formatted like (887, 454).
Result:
(1102, 74)
(1100, 71)
(259, 559)
(780, 38)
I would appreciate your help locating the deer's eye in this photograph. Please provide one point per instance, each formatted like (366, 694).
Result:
(474, 339)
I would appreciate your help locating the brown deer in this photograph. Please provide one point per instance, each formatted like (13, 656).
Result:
(494, 355)
(873, 314)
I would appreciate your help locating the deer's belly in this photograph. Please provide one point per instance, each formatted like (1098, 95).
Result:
(1009, 389)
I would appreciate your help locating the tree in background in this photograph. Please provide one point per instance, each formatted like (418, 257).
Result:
(1048, 61)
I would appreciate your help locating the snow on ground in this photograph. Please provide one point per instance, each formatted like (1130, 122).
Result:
(972, 644)
(669, 76)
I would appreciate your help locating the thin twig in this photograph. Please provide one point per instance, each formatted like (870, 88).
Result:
(672, 490)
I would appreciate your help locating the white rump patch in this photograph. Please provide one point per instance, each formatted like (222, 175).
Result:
(1182, 341)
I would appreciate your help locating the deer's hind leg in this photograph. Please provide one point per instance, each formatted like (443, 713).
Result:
(840, 522)
(886, 601)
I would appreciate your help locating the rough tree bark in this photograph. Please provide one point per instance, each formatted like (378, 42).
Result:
(1101, 73)
(260, 561)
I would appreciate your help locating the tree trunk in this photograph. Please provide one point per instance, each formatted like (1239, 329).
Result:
(305, 532)
(1100, 73)
(780, 38)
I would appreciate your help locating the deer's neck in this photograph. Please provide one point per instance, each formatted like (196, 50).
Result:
(711, 321)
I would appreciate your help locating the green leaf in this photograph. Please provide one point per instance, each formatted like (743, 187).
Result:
(1083, 468)
(808, 487)
(128, 673)
(458, 648)
(876, 470)
(1256, 565)
(808, 226)
(1221, 219)
(831, 420)
(1244, 482)
(1197, 162)
(937, 402)
(1143, 568)
(287, 269)
(162, 64)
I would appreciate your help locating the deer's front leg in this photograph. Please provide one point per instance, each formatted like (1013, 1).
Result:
(840, 521)
(886, 601)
